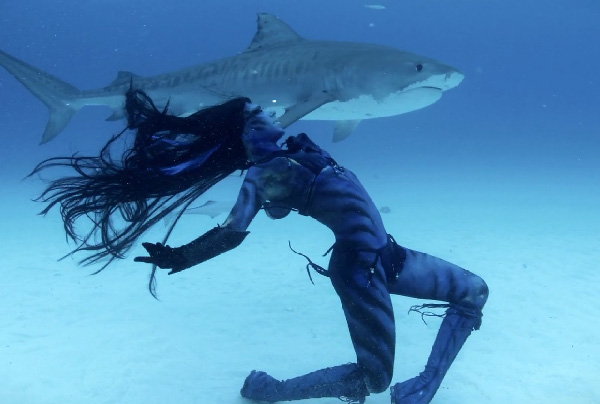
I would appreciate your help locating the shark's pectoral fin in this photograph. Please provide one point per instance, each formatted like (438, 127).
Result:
(343, 129)
(60, 115)
(301, 109)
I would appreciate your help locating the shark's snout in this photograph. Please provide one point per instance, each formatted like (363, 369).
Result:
(444, 78)
(452, 79)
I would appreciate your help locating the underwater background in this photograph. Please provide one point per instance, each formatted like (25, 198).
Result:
(500, 176)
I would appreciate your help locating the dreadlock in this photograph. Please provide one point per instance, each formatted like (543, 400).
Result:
(172, 162)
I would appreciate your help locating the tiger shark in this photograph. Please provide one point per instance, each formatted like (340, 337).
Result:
(294, 77)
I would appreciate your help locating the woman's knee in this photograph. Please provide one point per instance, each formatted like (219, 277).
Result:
(378, 380)
(477, 294)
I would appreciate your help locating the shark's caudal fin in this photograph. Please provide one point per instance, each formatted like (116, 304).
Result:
(55, 93)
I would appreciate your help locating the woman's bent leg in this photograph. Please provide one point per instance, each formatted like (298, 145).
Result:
(427, 277)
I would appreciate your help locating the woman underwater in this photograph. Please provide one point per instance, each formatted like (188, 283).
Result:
(174, 160)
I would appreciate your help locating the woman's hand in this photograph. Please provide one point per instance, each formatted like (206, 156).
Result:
(162, 256)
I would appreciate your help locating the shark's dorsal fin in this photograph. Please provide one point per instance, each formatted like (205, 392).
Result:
(271, 31)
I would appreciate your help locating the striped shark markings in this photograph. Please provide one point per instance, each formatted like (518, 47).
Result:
(296, 78)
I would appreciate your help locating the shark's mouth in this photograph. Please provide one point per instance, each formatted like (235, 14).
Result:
(415, 98)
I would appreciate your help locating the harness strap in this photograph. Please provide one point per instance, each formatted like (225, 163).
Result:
(316, 267)
(322, 271)
(456, 308)
(422, 310)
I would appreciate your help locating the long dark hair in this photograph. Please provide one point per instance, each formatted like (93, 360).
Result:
(172, 162)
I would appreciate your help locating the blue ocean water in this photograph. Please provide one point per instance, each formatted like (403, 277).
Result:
(530, 71)
(514, 148)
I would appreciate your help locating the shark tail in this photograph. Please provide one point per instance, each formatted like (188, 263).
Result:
(56, 94)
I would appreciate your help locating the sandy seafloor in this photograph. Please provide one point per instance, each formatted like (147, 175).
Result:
(66, 337)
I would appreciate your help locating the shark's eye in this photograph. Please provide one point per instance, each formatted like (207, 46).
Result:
(419, 67)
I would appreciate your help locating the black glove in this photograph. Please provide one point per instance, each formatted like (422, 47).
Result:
(212, 243)
(163, 257)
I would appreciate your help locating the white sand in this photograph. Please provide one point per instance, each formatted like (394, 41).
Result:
(66, 337)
